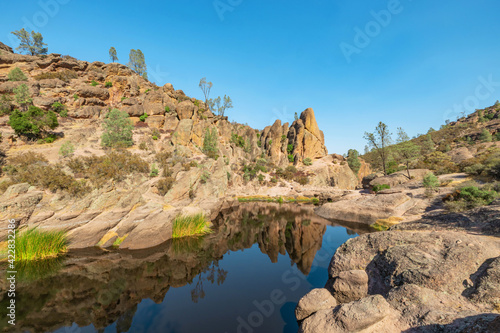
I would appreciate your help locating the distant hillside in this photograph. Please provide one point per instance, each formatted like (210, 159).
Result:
(455, 146)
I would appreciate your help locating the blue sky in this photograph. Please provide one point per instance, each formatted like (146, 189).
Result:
(426, 62)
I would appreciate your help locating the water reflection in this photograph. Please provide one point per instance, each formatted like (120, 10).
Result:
(103, 288)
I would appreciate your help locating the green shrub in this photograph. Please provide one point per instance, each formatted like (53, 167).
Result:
(167, 109)
(475, 169)
(6, 104)
(354, 162)
(33, 168)
(17, 74)
(302, 180)
(50, 138)
(115, 165)
(164, 185)
(469, 197)
(239, 141)
(34, 244)
(291, 158)
(307, 161)
(185, 226)
(380, 187)
(430, 182)
(289, 148)
(75, 97)
(108, 84)
(93, 83)
(65, 75)
(33, 123)
(205, 176)
(22, 96)
(283, 138)
(154, 137)
(143, 117)
(485, 136)
(261, 178)
(117, 130)
(210, 143)
(67, 149)
(154, 171)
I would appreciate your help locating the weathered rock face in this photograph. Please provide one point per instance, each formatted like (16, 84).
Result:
(5, 48)
(316, 300)
(308, 140)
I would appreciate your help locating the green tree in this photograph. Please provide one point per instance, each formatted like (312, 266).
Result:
(485, 136)
(380, 141)
(430, 181)
(205, 88)
(112, 54)
(406, 151)
(17, 75)
(31, 44)
(34, 122)
(117, 130)
(353, 160)
(428, 145)
(210, 143)
(23, 96)
(137, 63)
(221, 105)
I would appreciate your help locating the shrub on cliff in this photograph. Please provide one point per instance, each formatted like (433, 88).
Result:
(33, 123)
(17, 74)
(210, 143)
(353, 160)
(117, 130)
(65, 75)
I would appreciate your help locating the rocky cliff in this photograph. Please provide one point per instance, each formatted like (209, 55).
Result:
(247, 162)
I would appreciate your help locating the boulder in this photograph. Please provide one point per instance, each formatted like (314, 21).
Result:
(367, 209)
(316, 300)
(369, 315)
(44, 102)
(155, 121)
(348, 286)
(185, 110)
(136, 110)
(89, 91)
(182, 134)
(52, 83)
(171, 122)
(400, 177)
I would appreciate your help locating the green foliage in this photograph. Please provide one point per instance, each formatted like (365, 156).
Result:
(353, 160)
(307, 161)
(31, 44)
(283, 138)
(154, 171)
(220, 105)
(108, 84)
(23, 96)
(154, 137)
(380, 187)
(291, 158)
(67, 149)
(116, 166)
(93, 83)
(185, 226)
(239, 141)
(485, 136)
(440, 162)
(60, 108)
(143, 117)
(33, 168)
(75, 97)
(469, 197)
(164, 185)
(17, 74)
(167, 109)
(379, 141)
(210, 146)
(34, 122)
(289, 148)
(205, 176)
(137, 63)
(430, 181)
(270, 143)
(65, 75)
(112, 54)
(33, 244)
(117, 130)
(5, 104)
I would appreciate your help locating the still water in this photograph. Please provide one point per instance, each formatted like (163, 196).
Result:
(245, 277)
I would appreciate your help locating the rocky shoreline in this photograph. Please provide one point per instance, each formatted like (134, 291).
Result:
(439, 273)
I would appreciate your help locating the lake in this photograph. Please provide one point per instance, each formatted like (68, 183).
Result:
(245, 277)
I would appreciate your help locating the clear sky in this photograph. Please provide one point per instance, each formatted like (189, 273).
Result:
(408, 63)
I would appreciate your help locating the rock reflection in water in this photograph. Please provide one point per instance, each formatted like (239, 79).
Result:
(101, 288)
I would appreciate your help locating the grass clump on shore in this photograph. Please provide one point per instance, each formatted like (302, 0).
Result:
(384, 224)
(34, 244)
(469, 197)
(279, 199)
(194, 225)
